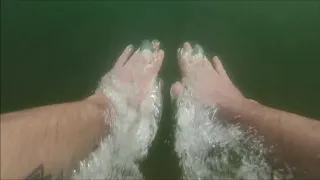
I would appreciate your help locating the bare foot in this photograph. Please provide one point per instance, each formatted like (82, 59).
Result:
(135, 71)
(134, 91)
(208, 84)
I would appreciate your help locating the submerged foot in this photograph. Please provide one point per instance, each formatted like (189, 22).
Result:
(139, 69)
(208, 147)
(209, 83)
(135, 95)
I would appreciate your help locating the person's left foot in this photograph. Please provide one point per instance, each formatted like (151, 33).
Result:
(138, 69)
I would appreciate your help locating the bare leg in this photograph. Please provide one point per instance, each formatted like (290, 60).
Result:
(208, 146)
(135, 93)
(127, 105)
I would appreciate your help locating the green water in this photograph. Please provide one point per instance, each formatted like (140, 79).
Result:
(55, 51)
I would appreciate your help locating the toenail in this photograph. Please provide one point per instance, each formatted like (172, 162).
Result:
(155, 42)
(198, 50)
(155, 45)
(146, 45)
(179, 51)
(129, 48)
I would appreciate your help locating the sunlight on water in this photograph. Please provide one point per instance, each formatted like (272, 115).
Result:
(213, 149)
(131, 133)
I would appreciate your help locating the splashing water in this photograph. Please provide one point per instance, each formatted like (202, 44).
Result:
(213, 149)
(208, 147)
(131, 132)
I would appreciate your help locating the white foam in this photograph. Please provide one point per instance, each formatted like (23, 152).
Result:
(131, 132)
(210, 148)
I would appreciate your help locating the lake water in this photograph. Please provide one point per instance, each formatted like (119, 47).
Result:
(56, 51)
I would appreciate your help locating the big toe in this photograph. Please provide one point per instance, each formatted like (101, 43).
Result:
(189, 58)
(176, 90)
(184, 56)
(148, 58)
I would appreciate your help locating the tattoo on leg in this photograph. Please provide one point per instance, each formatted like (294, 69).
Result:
(39, 174)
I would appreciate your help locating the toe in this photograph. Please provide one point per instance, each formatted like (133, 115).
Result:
(142, 56)
(157, 61)
(198, 56)
(146, 45)
(124, 56)
(176, 90)
(184, 56)
(155, 45)
(147, 51)
(190, 60)
(218, 66)
(185, 52)
(198, 50)
(151, 56)
(187, 47)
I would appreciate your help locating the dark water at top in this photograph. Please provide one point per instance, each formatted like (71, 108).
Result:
(54, 52)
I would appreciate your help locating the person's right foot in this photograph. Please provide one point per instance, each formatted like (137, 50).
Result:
(208, 84)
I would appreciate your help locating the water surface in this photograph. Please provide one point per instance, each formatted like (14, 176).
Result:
(55, 51)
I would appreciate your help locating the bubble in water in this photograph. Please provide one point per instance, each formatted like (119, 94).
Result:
(213, 149)
(131, 132)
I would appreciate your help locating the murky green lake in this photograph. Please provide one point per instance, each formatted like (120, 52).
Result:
(57, 51)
